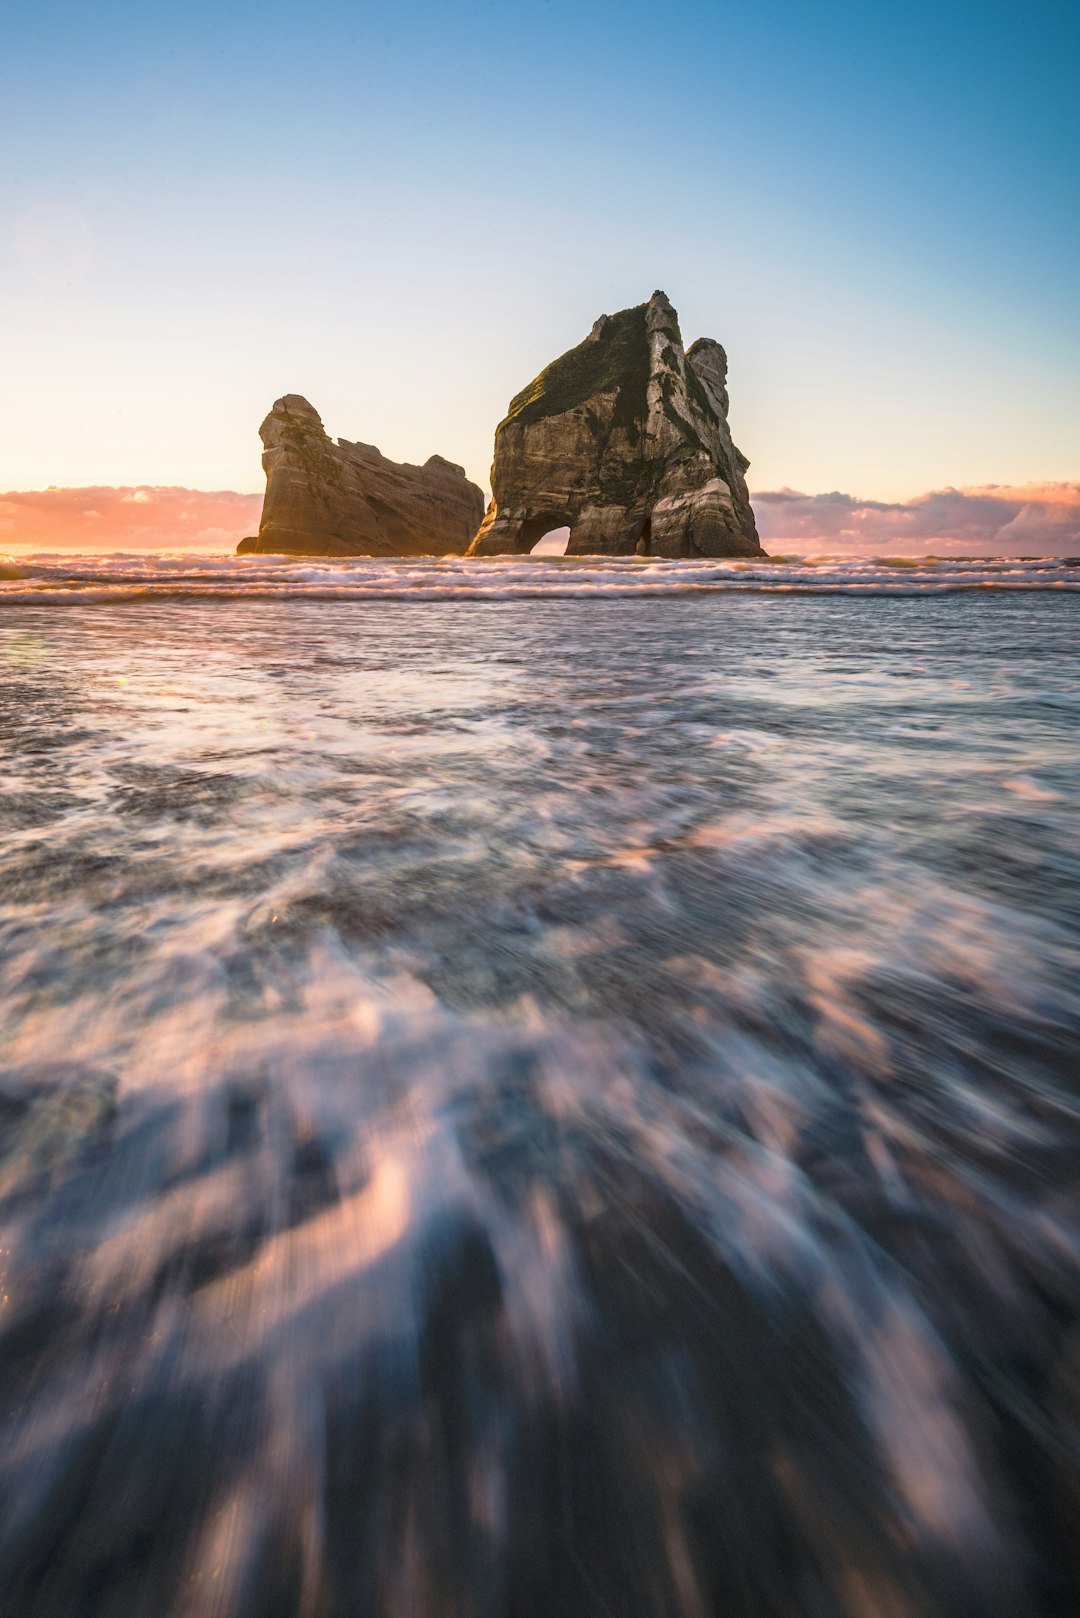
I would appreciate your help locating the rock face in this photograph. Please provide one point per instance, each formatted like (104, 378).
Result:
(327, 499)
(624, 440)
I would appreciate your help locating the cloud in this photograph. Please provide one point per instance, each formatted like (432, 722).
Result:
(1030, 519)
(119, 519)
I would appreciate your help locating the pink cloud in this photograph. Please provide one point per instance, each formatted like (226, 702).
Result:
(1000, 519)
(121, 519)
(1030, 519)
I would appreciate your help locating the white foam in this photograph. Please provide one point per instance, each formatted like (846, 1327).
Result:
(54, 578)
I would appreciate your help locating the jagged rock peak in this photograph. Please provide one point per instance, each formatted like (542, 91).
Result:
(344, 499)
(625, 440)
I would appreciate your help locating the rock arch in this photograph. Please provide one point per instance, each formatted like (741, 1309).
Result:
(625, 440)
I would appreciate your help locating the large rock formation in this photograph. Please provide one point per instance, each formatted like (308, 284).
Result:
(327, 499)
(625, 441)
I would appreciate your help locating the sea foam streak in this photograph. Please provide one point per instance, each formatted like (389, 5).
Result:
(539, 1109)
(47, 579)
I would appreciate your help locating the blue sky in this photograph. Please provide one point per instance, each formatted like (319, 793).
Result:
(403, 211)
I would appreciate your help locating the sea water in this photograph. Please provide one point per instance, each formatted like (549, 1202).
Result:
(539, 1089)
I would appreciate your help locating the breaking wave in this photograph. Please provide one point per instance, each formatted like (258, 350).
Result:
(49, 579)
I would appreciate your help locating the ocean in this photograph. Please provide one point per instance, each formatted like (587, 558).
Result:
(539, 1088)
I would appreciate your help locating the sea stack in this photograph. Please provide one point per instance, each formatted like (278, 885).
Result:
(342, 499)
(625, 441)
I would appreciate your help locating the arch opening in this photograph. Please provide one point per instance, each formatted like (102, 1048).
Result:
(537, 528)
(553, 543)
(644, 541)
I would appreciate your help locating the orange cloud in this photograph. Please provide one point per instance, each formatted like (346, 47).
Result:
(122, 519)
(1031, 519)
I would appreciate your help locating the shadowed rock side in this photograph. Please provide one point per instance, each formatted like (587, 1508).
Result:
(624, 440)
(327, 499)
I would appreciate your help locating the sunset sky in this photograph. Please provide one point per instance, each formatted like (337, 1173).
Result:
(404, 211)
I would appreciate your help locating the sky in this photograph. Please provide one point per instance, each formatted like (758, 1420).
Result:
(403, 211)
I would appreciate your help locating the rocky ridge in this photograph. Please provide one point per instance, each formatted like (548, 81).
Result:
(625, 440)
(344, 499)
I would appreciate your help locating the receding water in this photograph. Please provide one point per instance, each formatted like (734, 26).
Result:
(539, 1107)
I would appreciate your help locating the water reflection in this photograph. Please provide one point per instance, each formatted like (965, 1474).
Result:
(542, 1109)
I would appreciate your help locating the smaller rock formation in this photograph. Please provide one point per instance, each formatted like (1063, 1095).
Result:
(327, 499)
(625, 441)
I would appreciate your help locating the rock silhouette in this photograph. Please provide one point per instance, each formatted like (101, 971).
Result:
(624, 440)
(342, 499)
